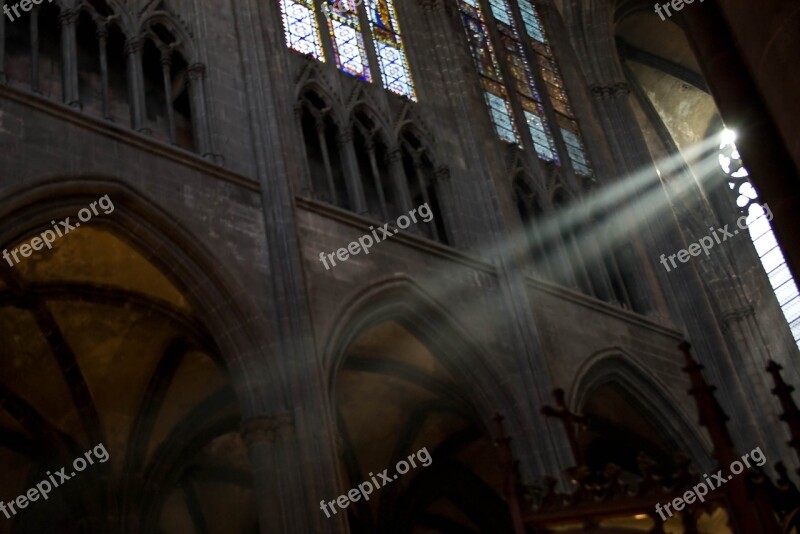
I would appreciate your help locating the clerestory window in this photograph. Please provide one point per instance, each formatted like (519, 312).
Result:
(351, 24)
(505, 58)
(769, 252)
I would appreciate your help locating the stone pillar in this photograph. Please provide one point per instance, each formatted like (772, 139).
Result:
(102, 38)
(196, 74)
(33, 22)
(352, 172)
(267, 440)
(133, 51)
(397, 174)
(617, 116)
(69, 56)
(166, 75)
(2, 50)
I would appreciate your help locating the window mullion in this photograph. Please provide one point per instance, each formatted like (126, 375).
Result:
(326, 39)
(369, 44)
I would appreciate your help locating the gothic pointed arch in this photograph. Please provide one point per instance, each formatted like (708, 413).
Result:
(423, 179)
(626, 400)
(381, 187)
(397, 353)
(322, 133)
(166, 55)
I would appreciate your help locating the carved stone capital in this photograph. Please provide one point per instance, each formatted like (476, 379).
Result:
(428, 5)
(611, 90)
(735, 316)
(68, 16)
(345, 136)
(134, 45)
(196, 71)
(441, 175)
(394, 155)
(266, 429)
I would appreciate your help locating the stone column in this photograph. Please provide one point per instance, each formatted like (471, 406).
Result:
(34, 42)
(397, 174)
(196, 74)
(352, 172)
(615, 110)
(133, 51)
(69, 56)
(166, 76)
(2, 50)
(102, 38)
(268, 440)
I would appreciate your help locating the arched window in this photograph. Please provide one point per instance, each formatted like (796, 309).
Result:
(95, 75)
(421, 181)
(320, 134)
(371, 153)
(102, 76)
(348, 39)
(769, 252)
(510, 85)
(167, 110)
(33, 51)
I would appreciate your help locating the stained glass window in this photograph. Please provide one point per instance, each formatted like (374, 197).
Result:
(300, 24)
(494, 88)
(554, 85)
(758, 224)
(524, 83)
(348, 42)
(348, 39)
(389, 48)
(513, 51)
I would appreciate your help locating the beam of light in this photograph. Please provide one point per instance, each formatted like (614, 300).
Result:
(625, 205)
(727, 137)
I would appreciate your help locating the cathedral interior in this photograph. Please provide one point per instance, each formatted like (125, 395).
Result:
(399, 266)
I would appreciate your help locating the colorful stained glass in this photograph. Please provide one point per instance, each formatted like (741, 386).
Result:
(300, 26)
(348, 43)
(486, 63)
(481, 46)
(389, 48)
(524, 82)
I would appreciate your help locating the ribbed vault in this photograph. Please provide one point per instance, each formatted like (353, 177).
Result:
(100, 347)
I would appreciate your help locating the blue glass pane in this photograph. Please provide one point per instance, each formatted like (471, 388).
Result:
(577, 154)
(541, 140)
(501, 116)
(348, 45)
(395, 72)
(300, 27)
(501, 11)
